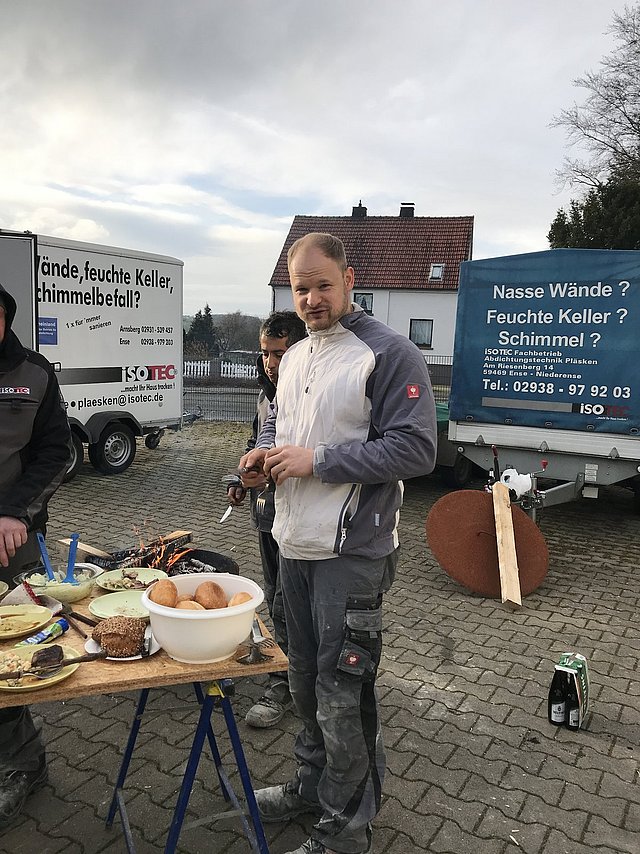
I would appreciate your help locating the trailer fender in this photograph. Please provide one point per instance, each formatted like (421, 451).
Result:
(96, 424)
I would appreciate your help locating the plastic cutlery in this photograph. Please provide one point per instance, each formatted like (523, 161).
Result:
(71, 563)
(45, 557)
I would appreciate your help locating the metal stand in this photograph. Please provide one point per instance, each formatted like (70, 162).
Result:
(214, 696)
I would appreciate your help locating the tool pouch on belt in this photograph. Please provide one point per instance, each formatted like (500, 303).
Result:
(362, 647)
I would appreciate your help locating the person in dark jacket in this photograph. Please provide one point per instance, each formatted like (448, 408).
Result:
(280, 331)
(35, 451)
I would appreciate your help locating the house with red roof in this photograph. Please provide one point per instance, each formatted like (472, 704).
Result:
(406, 269)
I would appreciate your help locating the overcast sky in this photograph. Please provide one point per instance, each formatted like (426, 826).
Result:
(200, 128)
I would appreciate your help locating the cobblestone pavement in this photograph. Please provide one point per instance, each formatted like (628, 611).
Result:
(473, 765)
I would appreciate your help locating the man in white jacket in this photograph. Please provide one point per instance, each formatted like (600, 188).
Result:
(354, 415)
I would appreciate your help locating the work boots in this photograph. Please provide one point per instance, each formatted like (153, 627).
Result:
(271, 707)
(15, 788)
(312, 846)
(282, 803)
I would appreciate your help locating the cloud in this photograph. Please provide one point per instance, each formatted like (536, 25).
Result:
(200, 129)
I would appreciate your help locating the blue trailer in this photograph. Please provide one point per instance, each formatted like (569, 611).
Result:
(546, 366)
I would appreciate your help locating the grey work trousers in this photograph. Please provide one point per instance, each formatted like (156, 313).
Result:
(334, 626)
(21, 746)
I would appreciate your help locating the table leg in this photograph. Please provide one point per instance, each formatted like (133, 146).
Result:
(217, 759)
(117, 803)
(241, 762)
(204, 723)
(256, 839)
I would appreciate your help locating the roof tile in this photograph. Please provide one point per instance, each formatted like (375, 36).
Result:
(388, 251)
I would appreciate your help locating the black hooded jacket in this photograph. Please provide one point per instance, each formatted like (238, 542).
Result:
(35, 438)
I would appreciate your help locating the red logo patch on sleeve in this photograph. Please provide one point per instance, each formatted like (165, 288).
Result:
(413, 391)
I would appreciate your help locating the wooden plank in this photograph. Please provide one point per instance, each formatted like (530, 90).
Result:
(507, 558)
(84, 551)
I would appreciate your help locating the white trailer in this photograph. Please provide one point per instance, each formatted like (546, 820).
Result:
(110, 321)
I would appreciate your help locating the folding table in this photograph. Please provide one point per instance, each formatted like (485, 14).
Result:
(157, 671)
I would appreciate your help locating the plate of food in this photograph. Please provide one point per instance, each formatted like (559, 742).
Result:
(27, 657)
(19, 620)
(133, 578)
(125, 603)
(123, 639)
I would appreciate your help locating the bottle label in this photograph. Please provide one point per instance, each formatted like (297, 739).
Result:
(557, 713)
(574, 718)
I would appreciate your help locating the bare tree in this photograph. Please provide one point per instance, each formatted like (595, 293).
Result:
(607, 124)
(237, 331)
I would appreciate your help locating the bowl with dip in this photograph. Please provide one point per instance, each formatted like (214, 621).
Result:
(84, 573)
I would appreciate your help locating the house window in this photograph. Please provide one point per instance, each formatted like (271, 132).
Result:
(436, 274)
(365, 301)
(421, 332)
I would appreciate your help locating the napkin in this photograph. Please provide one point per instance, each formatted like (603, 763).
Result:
(24, 595)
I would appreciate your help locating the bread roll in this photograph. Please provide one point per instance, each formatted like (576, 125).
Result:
(210, 595)
(189, 605)
(120, 637)
(240, 598)
(186, 597)
(164, 592)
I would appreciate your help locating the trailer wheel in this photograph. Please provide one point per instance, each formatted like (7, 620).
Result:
(77, 457)
(114, 451)
(152, 440)
(459, 474)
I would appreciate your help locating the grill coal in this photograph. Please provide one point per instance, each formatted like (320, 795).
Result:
(154, 554)
(202, 560)
(166, 553)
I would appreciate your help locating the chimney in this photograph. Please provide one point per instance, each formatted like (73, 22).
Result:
(407, 208)
(360, 212)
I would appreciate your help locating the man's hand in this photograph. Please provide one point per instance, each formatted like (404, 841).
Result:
(250, 468)
(288, 461)
(236, 495)
(13, 534)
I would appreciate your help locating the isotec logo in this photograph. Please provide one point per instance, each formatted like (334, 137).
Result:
(610, 410)
(140, 373)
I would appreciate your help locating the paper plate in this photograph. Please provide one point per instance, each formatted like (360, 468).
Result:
(30, 683)
(91, 646)
(16, 621)
(126, 603)
(113, 580)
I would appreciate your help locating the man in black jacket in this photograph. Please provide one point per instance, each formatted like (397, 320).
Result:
(280, 331)
(34, 455)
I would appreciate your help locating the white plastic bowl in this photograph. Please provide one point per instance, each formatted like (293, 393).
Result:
(203, 637)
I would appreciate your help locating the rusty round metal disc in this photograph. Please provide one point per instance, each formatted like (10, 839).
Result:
(462, 536)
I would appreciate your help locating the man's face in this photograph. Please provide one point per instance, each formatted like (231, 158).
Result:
(2, 323)
(321, 290)
(272, 349)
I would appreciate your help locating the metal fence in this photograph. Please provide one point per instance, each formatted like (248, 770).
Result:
(440, 368)
(211, 389)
